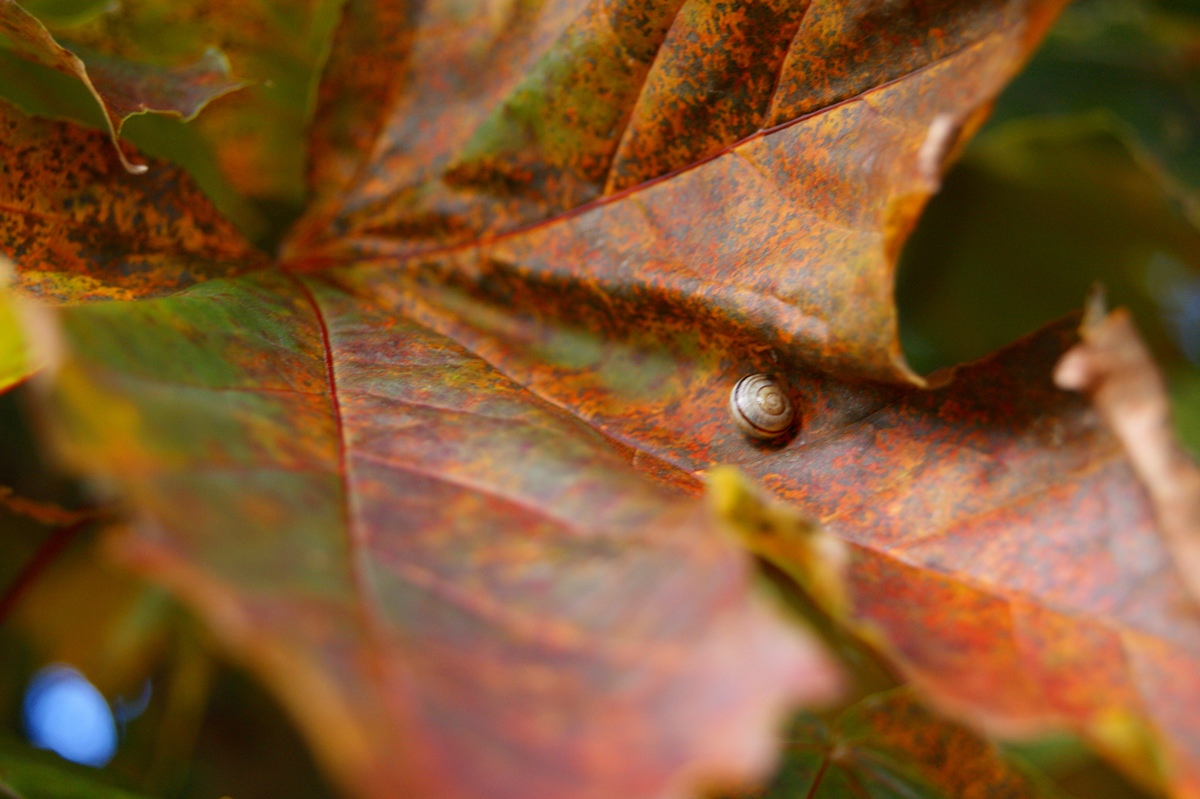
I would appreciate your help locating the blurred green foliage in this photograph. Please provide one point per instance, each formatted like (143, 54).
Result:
(28, 774)
(1128, 66)
(1088, 171)
(208, 731)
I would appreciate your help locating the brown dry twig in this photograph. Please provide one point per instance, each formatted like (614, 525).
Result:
(46, 513)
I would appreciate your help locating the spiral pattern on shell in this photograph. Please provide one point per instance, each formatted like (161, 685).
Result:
(760, 407)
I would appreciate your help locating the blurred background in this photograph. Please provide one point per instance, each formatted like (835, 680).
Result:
(1089, 170)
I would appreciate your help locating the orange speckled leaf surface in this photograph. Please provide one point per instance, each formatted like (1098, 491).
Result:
(460, 590)
(1005, 552)
(784, 205)
(438, 124)
(1009, 558)
(121, 88)
(79, 227)
(639, 313)
(1003, 549)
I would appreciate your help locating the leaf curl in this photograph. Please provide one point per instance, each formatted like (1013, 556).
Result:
(121, 88)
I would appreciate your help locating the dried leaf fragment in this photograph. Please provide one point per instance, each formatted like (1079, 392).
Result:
(44, 512)
(1114, 368)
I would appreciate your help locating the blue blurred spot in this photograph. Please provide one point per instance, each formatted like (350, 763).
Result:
(126, 710)
(65, 713)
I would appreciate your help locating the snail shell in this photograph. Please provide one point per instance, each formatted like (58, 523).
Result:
(760, 407)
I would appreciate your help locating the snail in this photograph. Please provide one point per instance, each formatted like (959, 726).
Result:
(760, 407)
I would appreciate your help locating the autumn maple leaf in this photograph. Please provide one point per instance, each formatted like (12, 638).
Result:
(437, 472)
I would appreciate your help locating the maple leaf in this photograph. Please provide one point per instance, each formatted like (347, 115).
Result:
(245, 151)
(442, 495)
(356, 702)
(255, 136)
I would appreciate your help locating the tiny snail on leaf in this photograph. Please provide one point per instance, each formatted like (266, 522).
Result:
(760, 407)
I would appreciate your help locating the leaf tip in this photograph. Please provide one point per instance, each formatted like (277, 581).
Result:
(812, 556)
(129, 166)
(1095, 308)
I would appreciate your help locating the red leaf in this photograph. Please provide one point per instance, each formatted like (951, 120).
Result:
(460, 590)
(437, 126)
(1002, 546)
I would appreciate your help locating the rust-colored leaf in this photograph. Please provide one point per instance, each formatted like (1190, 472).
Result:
(79, 227)
(1008, 557)
(436, 127)
(1002, 546)
(784, 230)
(121, 88)
(968, 505)
(460, 590)
(439, 494)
